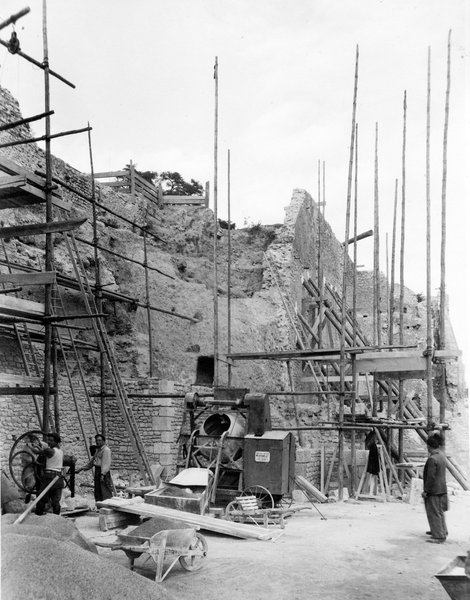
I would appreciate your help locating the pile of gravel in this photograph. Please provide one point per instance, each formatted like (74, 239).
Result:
(48, 525)
(43, 567)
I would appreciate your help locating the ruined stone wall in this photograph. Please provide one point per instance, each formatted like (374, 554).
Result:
(267, 265)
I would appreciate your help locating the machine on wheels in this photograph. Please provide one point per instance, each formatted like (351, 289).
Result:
(231, 435)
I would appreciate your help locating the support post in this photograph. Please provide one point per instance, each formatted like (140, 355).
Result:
(344, 290)
(216, 224)
(443, 300)
(49, 258)
(229, 275)
(429, 332)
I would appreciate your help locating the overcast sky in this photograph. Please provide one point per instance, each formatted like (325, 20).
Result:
(143, 72)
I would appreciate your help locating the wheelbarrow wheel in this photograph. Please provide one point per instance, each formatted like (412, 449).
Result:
(194, 562)
(233, 512)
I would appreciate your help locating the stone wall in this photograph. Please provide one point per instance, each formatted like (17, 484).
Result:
(268, 263)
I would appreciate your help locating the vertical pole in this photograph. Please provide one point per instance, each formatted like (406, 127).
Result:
(378, 324)
(49, 259)
(401, 387)
(354, 324)
(132, 182)
(147, 302)
(55, 379)
(229, 274)
(344, 290)
(319, 268)
(376, 277)
(216, 307)
(443, 300)
(322, 282)
(429, 333)
(98, 291)
(294, 401)
(391, 306)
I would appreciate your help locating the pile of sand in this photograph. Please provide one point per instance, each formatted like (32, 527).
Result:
(38, 563)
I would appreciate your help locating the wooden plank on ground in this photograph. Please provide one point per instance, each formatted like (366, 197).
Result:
(20, 307)
(28, 278)
(239, 530)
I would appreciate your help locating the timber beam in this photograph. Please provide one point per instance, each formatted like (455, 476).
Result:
(41, 228)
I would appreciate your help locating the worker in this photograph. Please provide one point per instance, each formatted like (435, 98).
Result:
(101, 461)
(435, 489)
(373, 464)
(54, 461)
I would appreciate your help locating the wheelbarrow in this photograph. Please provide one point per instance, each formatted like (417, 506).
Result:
(165, 541)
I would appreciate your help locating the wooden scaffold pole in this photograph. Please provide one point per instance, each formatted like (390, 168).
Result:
(49, 258)
(376, 275)
(98, 288)
(391, 308)
(344, 290)
(216, 283)
(429, 332)
(320, 283)
(229, 274)
(401, 387)
(443, 299)
(354, 312)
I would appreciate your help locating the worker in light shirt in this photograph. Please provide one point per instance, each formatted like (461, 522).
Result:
(101, 461)
(53, 469)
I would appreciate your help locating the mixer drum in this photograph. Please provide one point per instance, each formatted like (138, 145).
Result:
(234, 424)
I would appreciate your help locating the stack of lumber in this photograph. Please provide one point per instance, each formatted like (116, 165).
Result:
(110, 519)
(238, 530)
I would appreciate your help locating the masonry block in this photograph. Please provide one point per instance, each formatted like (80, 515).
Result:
(165, 385)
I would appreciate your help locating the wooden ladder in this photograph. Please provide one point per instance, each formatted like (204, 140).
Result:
(106, 349)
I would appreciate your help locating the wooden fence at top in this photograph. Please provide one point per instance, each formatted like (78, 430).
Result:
(130, 182)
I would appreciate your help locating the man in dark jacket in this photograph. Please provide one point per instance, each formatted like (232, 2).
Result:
(435, 489)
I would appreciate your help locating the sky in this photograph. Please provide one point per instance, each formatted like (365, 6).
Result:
(144, 81)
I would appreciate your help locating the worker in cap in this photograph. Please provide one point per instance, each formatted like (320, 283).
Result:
(435, 489)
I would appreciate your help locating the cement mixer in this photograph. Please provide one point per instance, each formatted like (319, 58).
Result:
(231, 435)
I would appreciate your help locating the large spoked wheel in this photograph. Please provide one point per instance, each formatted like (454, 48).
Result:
(263, 496)
(234, 512)
(196, 554)
(24, 468)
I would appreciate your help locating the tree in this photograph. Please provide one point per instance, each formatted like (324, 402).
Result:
(172, 182)
(174, 185)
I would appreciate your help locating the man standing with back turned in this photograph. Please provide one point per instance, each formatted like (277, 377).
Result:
(435, 489)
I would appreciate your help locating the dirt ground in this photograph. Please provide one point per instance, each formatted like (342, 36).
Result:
(360, 550)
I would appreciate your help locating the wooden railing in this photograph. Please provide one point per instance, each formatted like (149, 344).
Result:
(130, 182)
